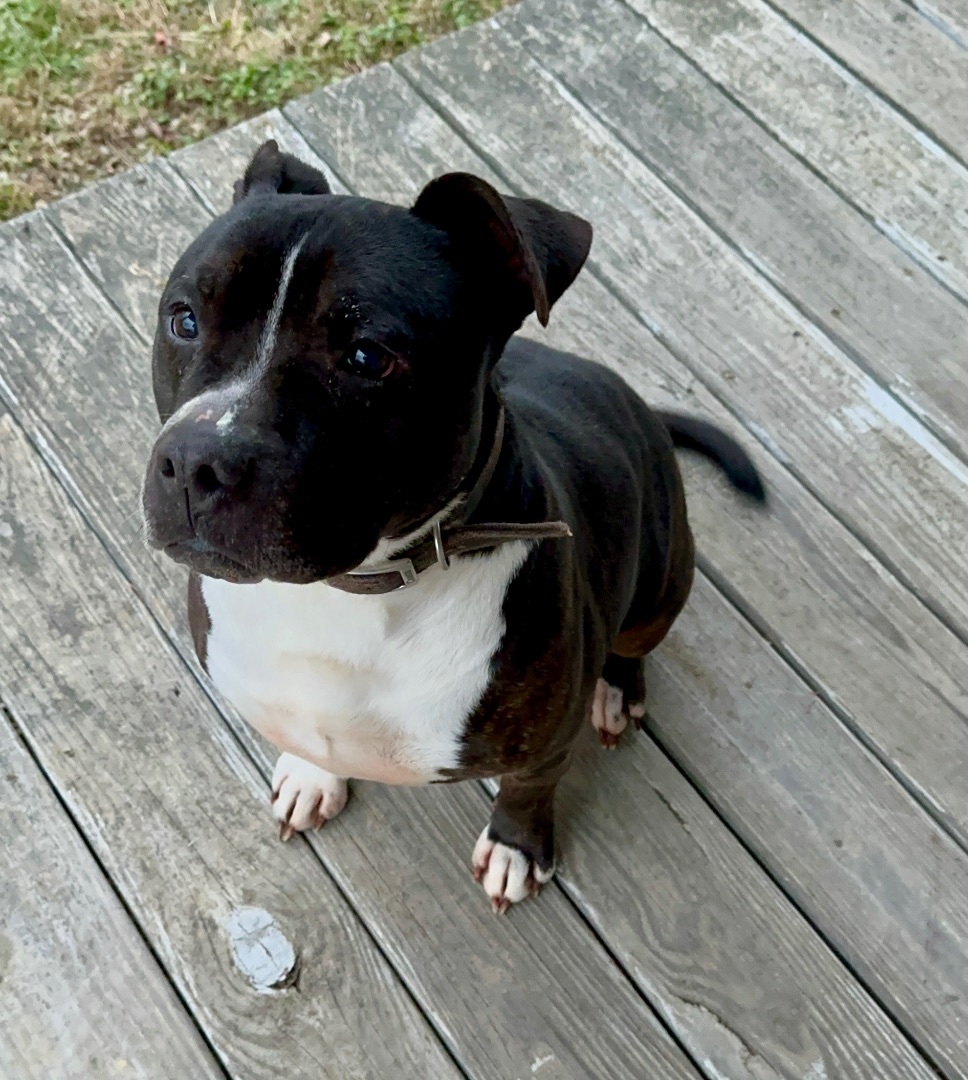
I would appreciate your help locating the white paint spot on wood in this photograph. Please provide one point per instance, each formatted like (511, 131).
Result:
(260, 950)
(6, 530)
(539, 1063)
(817, 1071)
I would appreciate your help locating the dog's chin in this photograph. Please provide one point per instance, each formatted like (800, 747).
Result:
(204, 559)
(212, 561)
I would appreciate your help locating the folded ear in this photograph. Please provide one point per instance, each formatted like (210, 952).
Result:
(534, 249)
(270, 170)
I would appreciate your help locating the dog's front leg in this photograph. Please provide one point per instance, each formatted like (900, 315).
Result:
(515, 854)
(304, 796)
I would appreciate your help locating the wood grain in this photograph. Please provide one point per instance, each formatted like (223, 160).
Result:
(412, 888)
(175, 813)
(374, 877)
(915, 192)
(591, 321)
(951, 16)
(888, 889)
(865, 294)
(135, 281)
(868, 459)
(396, 890)
(486, 1025)
(80, 994)
(384, 107)
(900, 53)
(133, 274)
(216, 163)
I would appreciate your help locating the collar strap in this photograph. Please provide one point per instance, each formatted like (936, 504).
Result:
(438, 549)
(443, 543)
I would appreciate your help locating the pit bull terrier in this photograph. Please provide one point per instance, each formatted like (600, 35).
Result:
(421, 549)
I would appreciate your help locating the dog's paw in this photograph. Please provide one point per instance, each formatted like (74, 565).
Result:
(609, 717)
(508, 875)
(304, 796)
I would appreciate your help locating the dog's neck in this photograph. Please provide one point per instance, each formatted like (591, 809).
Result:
(449, 531)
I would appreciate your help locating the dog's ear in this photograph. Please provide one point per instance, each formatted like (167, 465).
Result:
(536, 249)
(270, 170)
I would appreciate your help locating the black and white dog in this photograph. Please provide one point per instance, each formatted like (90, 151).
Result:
(421, 549)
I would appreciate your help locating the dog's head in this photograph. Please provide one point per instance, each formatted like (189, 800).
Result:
(321, 364)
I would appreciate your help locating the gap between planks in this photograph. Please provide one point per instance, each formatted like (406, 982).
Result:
(899, 56)
(948, 16)
(415, 63)
(933, 250)
(562, 923)
(104, 973)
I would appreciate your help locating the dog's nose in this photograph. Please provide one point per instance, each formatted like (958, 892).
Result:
(204, 465)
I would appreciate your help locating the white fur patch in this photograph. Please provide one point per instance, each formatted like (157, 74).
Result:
(375, 687)
(267, 342)
(221, 404)
(608, 717)
(304, 796)
(508, 875)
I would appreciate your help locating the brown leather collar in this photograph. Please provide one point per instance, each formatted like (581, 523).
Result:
(449, 539)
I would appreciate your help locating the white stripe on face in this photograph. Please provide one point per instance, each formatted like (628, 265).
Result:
(267, 342)
(221, 403)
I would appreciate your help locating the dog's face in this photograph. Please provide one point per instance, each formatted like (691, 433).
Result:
(321, 362)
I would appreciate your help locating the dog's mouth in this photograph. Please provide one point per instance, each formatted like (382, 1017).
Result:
(206, 559)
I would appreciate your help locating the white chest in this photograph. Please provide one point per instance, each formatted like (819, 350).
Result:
(373, 687)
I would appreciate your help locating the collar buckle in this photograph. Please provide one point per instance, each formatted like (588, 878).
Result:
(443, 559)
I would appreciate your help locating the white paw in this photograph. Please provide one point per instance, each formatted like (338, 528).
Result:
(508, 875)
(304, 796)
(608, 717)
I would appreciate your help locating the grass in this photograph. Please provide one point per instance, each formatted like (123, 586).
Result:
(88, 87)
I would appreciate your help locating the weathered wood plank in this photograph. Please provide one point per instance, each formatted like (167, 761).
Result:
(744, 941)
(134, 283)
(80, 994)
(215, 162)
(384, 110)
(798, 1043)
(888, 890)
(175, 813)
(911, 188)
(488, 1028)
(867, 458)
(905, 329)
(134, 274)
(900, 53)
(950, 16)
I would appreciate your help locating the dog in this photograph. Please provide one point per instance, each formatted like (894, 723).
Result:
(421, 549)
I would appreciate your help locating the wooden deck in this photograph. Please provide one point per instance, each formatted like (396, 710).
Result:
(772, 881)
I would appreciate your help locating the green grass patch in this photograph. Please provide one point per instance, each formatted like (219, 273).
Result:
(88, 87)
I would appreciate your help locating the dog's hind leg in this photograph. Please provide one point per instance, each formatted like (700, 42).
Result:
(620, 693)
(619, 697)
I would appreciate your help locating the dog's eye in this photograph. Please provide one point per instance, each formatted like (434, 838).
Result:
(370, 360)
(184, 325)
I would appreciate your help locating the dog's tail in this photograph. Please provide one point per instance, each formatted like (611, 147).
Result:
(691, 434)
